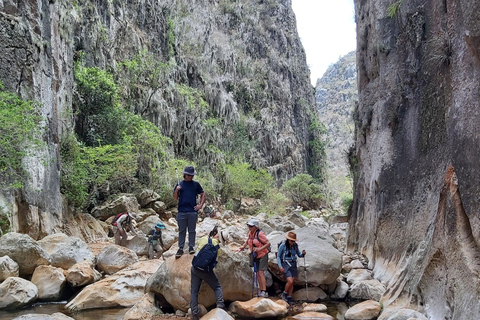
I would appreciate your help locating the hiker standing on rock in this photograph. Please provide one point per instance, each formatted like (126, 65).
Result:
(258, 243)
(186, 193)
(287, 261)
(202, 270)
(120, 224)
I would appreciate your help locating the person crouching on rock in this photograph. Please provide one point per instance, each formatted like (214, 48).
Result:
(258, 244)
(123, 222)
(287, 261)
(156, 236)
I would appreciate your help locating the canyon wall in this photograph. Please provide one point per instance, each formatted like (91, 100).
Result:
(416, 190)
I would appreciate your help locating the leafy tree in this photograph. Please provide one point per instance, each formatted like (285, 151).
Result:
(20, 132)
(240, 180)
(303, 191)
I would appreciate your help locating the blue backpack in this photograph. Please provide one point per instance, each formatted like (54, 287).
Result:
(206, 258)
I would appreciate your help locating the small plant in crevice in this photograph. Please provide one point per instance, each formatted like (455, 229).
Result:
(439, 51)
(393, 9)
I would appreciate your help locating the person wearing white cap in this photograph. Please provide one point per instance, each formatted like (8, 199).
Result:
(259, 247)
(186, 193)
(121, 223)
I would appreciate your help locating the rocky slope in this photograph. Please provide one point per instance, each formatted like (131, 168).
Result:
(415, 212)
(243, 59)
(336, 96)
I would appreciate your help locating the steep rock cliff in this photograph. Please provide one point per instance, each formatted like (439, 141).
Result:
(244, 58)
(416, 205)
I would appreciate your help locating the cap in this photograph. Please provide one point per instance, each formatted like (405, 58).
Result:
(189, 170)
(253, 222)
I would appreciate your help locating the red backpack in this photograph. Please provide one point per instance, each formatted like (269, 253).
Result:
(114, 221)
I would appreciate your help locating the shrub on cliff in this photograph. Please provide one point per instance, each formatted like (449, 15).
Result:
(303, 191)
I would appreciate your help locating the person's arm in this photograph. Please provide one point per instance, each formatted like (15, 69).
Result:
(281, 249)
(161, 241)
(243, 246)
(299, 254)
(150, 233)
(176, 192)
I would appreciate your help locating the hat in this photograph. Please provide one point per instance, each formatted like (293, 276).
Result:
(133, 215)
(222, 237)
(160, 226)
(291, 236)
(189, 170)
(253, 222)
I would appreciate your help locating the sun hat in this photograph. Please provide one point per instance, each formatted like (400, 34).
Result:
(189, 170)
(253, 222)
(160, 226)
(222, 237)
(133, 215)
(291, 236)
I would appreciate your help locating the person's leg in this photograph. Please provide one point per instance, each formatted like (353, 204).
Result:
(116, 233)
(262, 267)
(192, 225)
(212, 280)
(289, 286)
(182, 229)
(195, 283)
(123, 241)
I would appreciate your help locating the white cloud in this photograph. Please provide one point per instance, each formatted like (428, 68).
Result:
(327, 31)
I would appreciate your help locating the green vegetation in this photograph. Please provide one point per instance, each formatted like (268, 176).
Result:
(240, 180)
(303, 191)
(20, 132)
(274, 202)
(393, 10)
(317, 149)
(194, 98)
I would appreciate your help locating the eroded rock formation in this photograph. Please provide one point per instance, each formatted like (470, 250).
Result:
(415, 212)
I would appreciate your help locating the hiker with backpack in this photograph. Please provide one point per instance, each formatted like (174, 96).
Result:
(155, 236)
(259, 248)
(186, 193)
(287, 261)
(202, 270)
(121, 223)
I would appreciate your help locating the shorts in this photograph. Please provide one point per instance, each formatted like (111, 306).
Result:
(262, 263)
(290, 268)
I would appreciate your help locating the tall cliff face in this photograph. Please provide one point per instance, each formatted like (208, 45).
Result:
(416, 204)
(243, 58)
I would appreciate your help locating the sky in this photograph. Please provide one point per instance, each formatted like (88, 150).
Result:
(327, 31)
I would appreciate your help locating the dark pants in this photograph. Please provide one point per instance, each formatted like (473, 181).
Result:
(187, 220)
(211, 279)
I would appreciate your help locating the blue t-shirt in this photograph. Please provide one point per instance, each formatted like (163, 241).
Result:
(187, 198)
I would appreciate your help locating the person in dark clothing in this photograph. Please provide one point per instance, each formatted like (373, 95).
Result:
(186, 193)
(197, 276)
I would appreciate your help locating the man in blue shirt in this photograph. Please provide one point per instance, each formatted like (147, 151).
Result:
(186, 193)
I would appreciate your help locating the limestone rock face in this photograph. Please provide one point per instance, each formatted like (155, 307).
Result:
(16, 292)
(25, 251)
(415, 209)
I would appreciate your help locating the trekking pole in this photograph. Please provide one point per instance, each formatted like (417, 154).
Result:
(306, 281)
(178, 180)
(255, 272)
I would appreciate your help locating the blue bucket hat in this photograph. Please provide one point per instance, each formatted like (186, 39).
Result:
(189, 170)
(160, 225)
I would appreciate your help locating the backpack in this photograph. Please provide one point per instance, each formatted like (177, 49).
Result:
(114, 221)
(285, 252)
(256, 235)
(206, 258)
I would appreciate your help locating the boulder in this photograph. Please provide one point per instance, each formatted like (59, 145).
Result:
(313, 293)
(36, 316)
(217, 314)
(356, 275)
(8, 268)
(82, 274)
(297, 218)
(313, 315)
(259, 308)
(143, 309)
(366, 310)
(65, 251)
(313, 307)
(324, 262)
(147, 197)
(367, 290)
(124, 203)
(87, 228)
(341, 290)
(123, 289)
(50, 282)
(16, 293)
(279, 223)
(25, 251)
(398, 313)
(114, 258)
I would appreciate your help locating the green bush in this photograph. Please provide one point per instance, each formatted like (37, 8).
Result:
(240, 180)
(20, 130)
(303, 191)
(273, 203)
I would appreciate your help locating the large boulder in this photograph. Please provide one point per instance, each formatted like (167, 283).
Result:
(143, 309)
(65, 251)
(8, 268)
(125, 288)
(172, 280)
(16, 292)
(124, 203)
(323, 261)
(50, 282)
(366, 310)
(25, 251)
(259, 308)
(36, 316)
(114, 258)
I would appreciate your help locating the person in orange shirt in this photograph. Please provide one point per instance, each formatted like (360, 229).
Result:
(258, 243)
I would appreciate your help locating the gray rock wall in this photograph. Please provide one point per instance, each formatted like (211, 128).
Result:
(416, 206)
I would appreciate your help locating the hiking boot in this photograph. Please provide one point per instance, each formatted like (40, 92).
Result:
(289, 300)
(179, 253)
(195, 317)
(284, 296)
(191, 250)
(263, 294)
